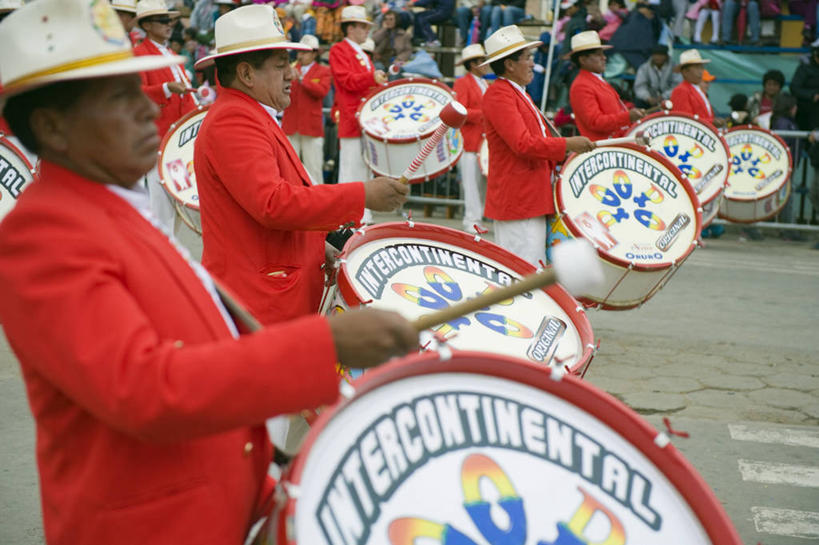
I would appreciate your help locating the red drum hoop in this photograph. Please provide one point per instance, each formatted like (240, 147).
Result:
(403, 455)
(637, 259)
(442, 266)
(175, 165)
(16, 173)
(695, 147)
(395, 121)
(758, 188)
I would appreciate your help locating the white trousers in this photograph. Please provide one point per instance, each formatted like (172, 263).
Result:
(161, 203)
(526, 238)
(701, 18)
(471, 178)
(310, 150)
(352, 168)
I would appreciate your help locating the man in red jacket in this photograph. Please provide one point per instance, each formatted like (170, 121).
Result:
(303, 120)
(354, 75)
(524, 149)
(688, 97)
(126, 10)
(147, 405)
(168, 87)
(469, 91)
(598, 111)
(263, 220)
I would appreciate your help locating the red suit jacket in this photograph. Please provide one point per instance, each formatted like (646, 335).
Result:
(468, 93)
(353, 79)
(170, 109)
(149, 416)
(598, 111)
(304, 115)
(688, 100)
(521, 160)
(263, 221)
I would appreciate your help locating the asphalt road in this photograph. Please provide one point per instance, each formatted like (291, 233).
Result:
(728, 351)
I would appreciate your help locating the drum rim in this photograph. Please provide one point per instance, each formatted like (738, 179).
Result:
(161, 153)
(396, 83)
(19, 153)
(557, 293)
(708, 124)
(749, 127)
(684, 183)
(610, 411)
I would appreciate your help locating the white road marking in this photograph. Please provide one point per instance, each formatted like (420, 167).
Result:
(785, 436)
(773, 473)
(786, 522)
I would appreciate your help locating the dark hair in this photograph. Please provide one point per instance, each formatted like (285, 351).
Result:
(60, 96)
(226, 66)
(575, 57)
(783, 103)
(345, 24)
(469, 62)
(774, 75)
(738, 102)
(498, 67)
(393, 13)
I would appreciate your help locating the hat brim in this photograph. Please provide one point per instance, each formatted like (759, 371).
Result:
(204, 62)
(463, 60)
(172, 13)
(365, 21)
(679, 67)
(130, 65)
(126, 10)
(506, 52)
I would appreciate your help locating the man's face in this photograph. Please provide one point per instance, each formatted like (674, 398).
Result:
(306, 57)
(271, 82)
(477, 69)
(357, 32)
(659, 59)
(693, 73)
(109, 133)
(520, 71)
(127, 19)
(594, 62)
(159, 28)
(389, 21)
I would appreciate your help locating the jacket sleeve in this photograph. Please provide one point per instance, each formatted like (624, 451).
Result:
(87, 335)
(585, 106)
(403, 47)
(798, 87)
(317, 89)
(501, 113)
(345, 74)
(247, 163)
(474, 114)
(681, 100)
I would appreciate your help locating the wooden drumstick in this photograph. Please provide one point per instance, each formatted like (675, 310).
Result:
(453, 115)
(636, 138)
(664, 105)
(576, 267)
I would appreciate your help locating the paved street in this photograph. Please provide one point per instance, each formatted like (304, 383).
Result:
(728, 352)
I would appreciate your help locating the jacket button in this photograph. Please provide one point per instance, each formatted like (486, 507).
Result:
(178, 344)
(248, 448)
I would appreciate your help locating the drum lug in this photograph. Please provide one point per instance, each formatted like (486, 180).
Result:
(662, 440)
(346, 390)
(557, 374)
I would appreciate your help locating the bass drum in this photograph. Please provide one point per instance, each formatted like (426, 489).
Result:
(16, 172)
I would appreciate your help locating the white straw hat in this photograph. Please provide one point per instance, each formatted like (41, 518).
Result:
(586, 41)
(474, 51)
(57, 40)
(505, 41)
(691, 56)
(10, 5)
(248, 28)
(310, 41)
(368, 45)
(355, 14)
(149, 8)
(124, 5)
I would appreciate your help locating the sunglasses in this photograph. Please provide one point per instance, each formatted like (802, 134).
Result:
(162, 20)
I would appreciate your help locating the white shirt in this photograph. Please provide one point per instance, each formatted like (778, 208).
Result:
(176, 70)
(361, 53)
(704, 97)
(272, 112)
(481, 82)
(305, 69)
(139, 199)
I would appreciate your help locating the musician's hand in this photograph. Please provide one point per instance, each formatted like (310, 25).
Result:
(654, 100)
(579, 144)
(636, 113)
(384, 194)
(720, 122)
(380, 77)
(330, 253)
(177, 87)
(366, 337)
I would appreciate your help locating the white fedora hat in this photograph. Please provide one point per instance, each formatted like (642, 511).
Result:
(310, 41)
(124, 5)
(248, 28)
(355, 14)
(691, 56)
(74, 41)
(10, 5)
(368, 45)
(586, 41)
(474, 51)
(505, 41)
(149, 8)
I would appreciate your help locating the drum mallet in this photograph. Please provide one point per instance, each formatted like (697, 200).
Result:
(452, 116)
(664, 105)
(576, 267)
(637, 138)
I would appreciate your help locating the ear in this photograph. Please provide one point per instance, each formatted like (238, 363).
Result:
(245, 73)
(49, 128)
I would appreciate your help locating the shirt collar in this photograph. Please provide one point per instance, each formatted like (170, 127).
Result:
(356, 46)
(137, 196)
(159, 45)
(272, 112)
(515, 85)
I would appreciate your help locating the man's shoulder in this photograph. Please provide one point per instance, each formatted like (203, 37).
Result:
(145, 47)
